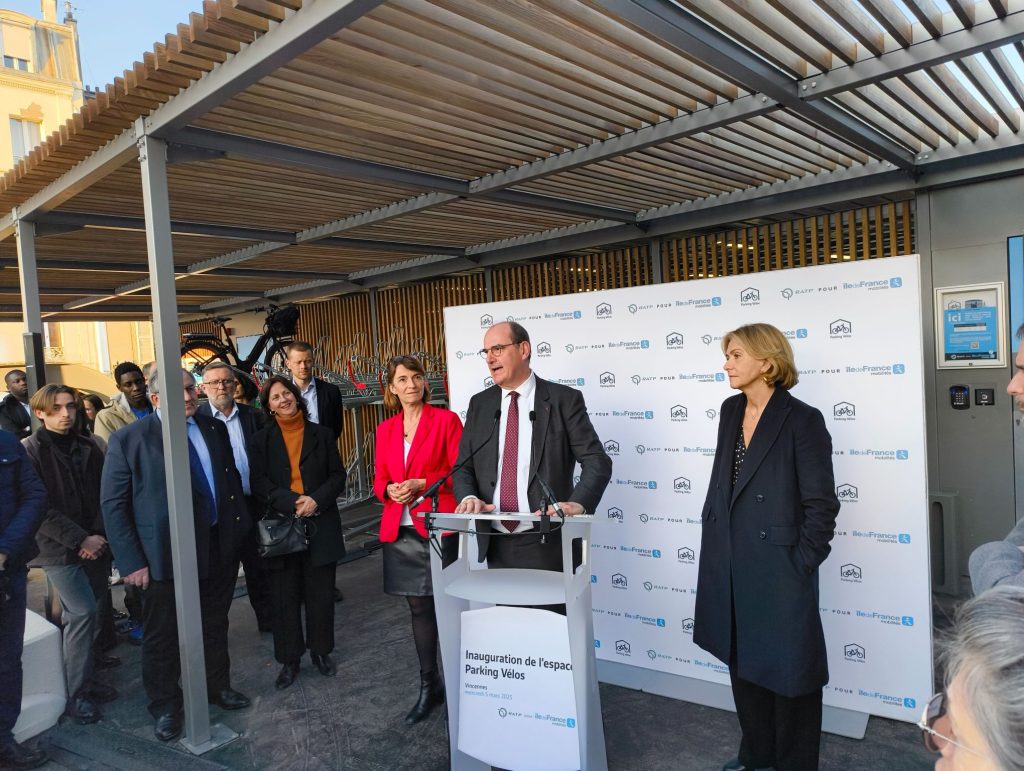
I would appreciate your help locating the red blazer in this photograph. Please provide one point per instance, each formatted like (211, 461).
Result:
(432, 455)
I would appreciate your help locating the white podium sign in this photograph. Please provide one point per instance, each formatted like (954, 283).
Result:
(517, 702)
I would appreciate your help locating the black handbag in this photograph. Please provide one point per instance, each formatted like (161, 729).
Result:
(282, 534)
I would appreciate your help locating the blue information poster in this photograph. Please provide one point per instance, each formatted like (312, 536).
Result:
(971, 333)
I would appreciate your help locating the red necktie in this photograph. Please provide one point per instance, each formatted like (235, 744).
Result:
(509, 497)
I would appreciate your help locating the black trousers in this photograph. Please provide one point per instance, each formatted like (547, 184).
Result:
(295, 581)
(257, 583)
(161, 658)
(780, 732)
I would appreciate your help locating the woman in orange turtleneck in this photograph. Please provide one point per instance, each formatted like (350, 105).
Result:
(295, 469)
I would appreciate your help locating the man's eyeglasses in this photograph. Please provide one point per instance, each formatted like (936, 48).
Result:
(494, 350)
(933, 740)
(220, 383)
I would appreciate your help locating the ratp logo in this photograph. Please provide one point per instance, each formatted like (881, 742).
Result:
(486, 320)
(840, 328)
(619, 581)
(616, 513)
(711, 413)
(688, 625)
(686, 555)
(543, 349)
(750, 296)
(632, 308)
(640, 449)
(678, 412)
(644, 518)
(652, 654)
(681, 485)
(636, 379)
(611, 447)
(463, 414)
(607, 380)
(674, 340)
(854, 652)
(622, 647)
(846, 492)
(604, 311)
(787, 293)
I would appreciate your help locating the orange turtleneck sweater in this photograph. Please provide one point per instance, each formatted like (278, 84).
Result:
(291, 430)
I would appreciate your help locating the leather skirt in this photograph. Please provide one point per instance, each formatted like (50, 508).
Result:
(407, 562)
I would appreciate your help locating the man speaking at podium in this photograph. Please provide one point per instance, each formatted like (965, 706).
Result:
(522, 434)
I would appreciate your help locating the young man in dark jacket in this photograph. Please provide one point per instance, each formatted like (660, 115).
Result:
(22, 505)
(72, 548)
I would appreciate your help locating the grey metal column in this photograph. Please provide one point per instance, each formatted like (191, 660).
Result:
(374, 328)
(657, 266)
(200, 736)
(489, 284)
(28, 277)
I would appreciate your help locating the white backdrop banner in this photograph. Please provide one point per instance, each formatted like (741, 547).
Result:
(649, 362)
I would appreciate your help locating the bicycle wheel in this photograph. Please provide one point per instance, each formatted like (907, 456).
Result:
(274, 359)
(197, 354)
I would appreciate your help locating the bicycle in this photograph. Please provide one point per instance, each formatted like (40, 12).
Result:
(200, 348)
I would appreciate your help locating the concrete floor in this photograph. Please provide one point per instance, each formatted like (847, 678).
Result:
(355, 720)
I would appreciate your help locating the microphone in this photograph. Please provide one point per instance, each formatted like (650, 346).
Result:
(432, 490)
(544, 485)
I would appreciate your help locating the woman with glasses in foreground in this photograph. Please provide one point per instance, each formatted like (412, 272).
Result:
(977, 722)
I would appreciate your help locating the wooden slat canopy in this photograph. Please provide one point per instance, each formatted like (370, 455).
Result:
(371, 143)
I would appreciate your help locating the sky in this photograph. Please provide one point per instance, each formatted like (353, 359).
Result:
(113, 34)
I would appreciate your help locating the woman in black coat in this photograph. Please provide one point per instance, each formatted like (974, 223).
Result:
(767, 523)
(295, 469)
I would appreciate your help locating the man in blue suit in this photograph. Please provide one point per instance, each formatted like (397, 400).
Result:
(134, 502)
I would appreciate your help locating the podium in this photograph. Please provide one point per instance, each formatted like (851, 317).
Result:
(460, 587)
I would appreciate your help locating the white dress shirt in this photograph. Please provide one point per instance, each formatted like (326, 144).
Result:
(237, 437)
(406, 519)
(527, 391)
(309, 397)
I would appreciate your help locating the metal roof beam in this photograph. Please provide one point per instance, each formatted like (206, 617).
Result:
(116, 222)
(356, 168)
(950, 47)
(685, 32)
(121, 267)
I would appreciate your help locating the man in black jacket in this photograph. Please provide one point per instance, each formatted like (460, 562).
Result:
(323, 399)
(22, 505)
(133, 497)
(14, 409)
(72, 548)
(241, 421)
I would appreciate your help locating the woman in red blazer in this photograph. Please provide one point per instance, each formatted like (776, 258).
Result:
(415, 448)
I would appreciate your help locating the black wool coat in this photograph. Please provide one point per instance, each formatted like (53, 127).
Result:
(323, 479)
(762, 543)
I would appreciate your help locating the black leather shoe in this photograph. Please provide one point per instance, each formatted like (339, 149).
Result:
(107, 662)
(83, 710)
(431, 695)
(229, 698)
(101, 693)
(168, 727)
(287, 675)
(16, 755)
(324, 664)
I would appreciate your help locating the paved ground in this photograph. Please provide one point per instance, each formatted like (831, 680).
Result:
(355, 720)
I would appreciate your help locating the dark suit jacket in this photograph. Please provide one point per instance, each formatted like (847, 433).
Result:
(762, 543)
(323, 479)
(133, 496)
(13, 417)
(432, 455)
(328, 406)
(562, 436)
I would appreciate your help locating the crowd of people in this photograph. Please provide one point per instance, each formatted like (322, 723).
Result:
(88, 489)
